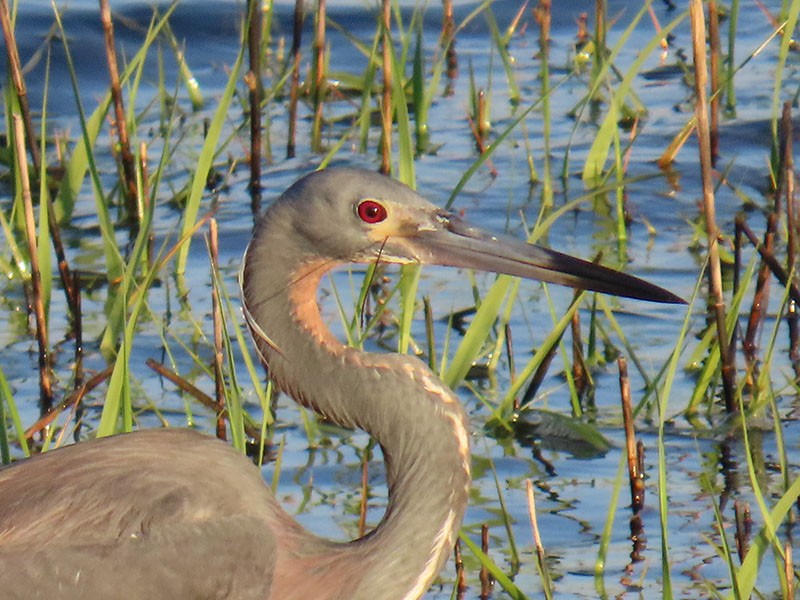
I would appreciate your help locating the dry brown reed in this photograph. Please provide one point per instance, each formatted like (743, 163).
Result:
(716, 298)
(386, 102)
(130, 188)
(219, 375)
(297, 39)
(319, 80)
(635, 473)
(716, 61)
(15, 66)
(485, 578)
(255, 89)
(73, 400)
(37, 293)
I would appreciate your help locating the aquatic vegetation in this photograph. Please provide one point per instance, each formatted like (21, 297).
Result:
(576, 131)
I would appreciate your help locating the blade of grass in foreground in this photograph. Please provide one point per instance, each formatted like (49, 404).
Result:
(508, 586)
(725, 551)
(82, 157)
(409, 274)
(507, 405)
(43, 242)
(7, 399)
(605, 536)
(787, 41)
(503, 511)
(748, 572)
(768, 535)
(118, 394)
(114, 262)
(205, 160)
(231, 392)
(598, 153)
(663, 418)
(489, 309)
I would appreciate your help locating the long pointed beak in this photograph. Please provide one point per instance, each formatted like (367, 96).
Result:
(457, 244)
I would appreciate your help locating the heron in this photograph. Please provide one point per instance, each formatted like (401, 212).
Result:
(173, 513)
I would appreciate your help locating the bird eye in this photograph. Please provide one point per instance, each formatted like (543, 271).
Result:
(371, 211)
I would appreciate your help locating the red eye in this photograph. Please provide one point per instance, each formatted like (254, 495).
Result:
(370, 211)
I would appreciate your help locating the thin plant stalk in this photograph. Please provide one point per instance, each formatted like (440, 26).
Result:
(49, 214)
(5, 450)
(485, 579)
(461, 578)
(786, 30)
(126, 156)
(448, 44)
(594, 166)
(297, 36)
(758, 308)
(82, 157)
(635, 476)
(255, 95)
(196, 393)
(543, 14)
(608, 529)
(190, 82)
(728, 368)
(715, 47)
(500, 577)
(386, 103)
(769, 258)
(319, 77)
(77, 332)
(73, 400)
(219, 376)
(792, 319)
(45, 383)
(730, 61)
(15, 66)
(788, 566)
(204, 163)
(541, 557)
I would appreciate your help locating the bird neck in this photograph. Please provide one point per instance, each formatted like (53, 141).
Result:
(417, 420)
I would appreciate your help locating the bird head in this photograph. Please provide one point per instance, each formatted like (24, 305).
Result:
(353, 215)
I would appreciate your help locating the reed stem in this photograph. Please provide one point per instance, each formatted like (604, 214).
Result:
(130, 190)
(297, 36)
(716, 299)
(319, 76)
(219, 357)
(255, 94)
(37, 295)
(386, 102)
(18, 80)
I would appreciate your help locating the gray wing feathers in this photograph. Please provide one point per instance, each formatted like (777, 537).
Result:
(169, 514)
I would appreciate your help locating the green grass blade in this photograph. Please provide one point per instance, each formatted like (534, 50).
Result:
(205, 160)
(82, 155)
(500, 577)
(598, 153)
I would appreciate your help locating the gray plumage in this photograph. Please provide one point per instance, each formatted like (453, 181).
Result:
(176, 514)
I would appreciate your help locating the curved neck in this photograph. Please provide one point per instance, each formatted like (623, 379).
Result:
(417, 420)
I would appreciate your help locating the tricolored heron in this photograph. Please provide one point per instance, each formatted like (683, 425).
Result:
(175, 514)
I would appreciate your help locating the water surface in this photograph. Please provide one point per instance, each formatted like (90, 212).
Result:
(320, 484)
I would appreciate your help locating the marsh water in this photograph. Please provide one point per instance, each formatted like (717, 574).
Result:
(580, 492)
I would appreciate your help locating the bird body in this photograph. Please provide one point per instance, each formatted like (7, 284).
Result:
(132, 516)
(176, 514)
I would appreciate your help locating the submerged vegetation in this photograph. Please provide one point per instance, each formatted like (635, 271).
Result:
(595, 130)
